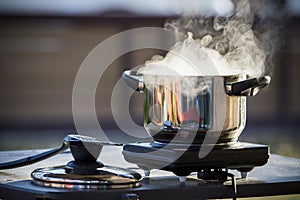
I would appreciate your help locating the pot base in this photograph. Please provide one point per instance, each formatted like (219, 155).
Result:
(197, 137)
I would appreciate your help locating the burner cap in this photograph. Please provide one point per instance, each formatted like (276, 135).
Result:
(103, 177)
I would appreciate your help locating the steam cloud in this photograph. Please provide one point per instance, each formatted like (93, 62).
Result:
(241, 43)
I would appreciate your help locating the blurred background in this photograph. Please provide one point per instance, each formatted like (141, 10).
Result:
(42, 45)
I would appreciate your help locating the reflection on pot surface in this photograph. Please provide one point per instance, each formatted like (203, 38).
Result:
(191, 107)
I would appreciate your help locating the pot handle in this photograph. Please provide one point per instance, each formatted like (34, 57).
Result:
(134, 80)
(248, 87)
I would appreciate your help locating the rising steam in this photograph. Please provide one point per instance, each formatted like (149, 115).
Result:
(236, 44)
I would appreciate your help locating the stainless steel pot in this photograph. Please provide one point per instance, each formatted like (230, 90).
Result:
(194, 107)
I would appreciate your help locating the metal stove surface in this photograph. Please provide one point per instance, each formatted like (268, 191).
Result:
(281, 175)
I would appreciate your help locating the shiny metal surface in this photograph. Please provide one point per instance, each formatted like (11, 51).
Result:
(192, 107)
(106, 177)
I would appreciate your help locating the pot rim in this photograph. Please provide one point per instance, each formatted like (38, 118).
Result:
(193, 76)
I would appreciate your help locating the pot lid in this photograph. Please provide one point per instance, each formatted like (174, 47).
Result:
(102, 177)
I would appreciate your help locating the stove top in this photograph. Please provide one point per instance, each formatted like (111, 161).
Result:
(281, 175)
